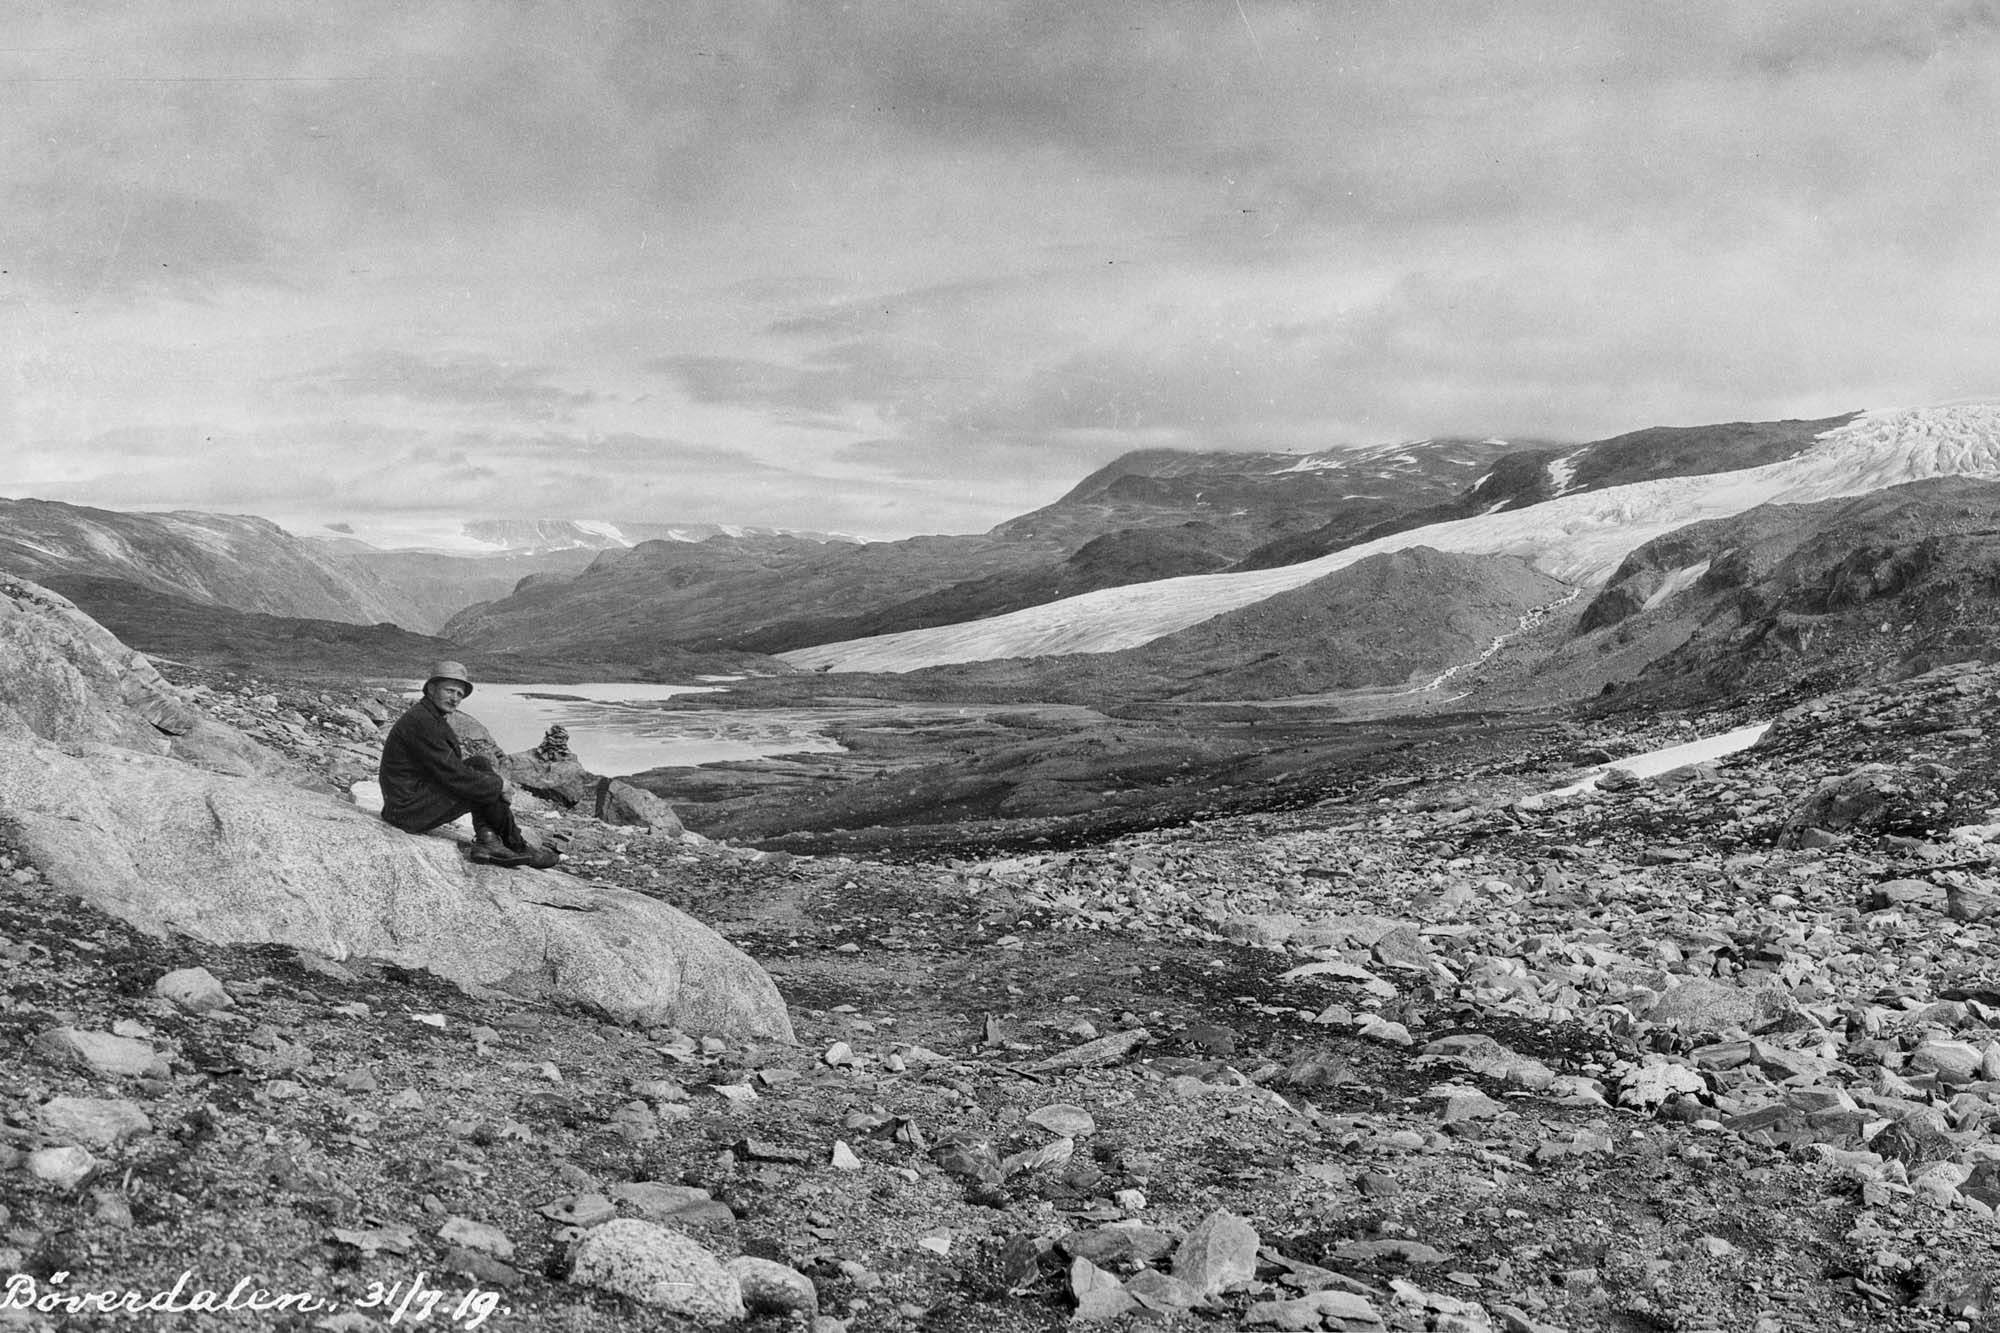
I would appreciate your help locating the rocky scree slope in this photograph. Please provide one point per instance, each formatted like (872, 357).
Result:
(1796, 599)
(1707, 1051)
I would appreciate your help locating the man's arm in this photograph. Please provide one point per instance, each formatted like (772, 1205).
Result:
(431, 749)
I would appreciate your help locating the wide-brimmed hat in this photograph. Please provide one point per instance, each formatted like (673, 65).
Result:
(450, 671)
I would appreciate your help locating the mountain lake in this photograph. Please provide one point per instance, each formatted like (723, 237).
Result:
(619, 728)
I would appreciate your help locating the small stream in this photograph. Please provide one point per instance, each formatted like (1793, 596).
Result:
(1527, 622)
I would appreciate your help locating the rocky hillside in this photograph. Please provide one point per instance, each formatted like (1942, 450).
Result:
(1529, 476)
(1256, 498)
(1716, 1050)
(1392, 620)
(434, 587)
(227, 560)
(1799, 598)
(1131, 555)
(490, 558)
(216, 636)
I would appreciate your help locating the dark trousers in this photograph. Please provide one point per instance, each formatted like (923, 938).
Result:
(494, 816)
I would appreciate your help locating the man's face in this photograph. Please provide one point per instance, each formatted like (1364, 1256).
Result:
(445, 693)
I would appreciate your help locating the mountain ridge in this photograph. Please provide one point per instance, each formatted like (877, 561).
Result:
(1577, 537)
(248, 563)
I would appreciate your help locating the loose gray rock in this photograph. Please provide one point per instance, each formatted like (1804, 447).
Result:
(660, 1267)
(477, 1236)
(123, 1057)
(770, 1287)
(194, 989)
(1119, 1244)
(619, 802)
(1952, 1061)
(1319, 1310)
(1870, 797)
(1702, 1004)
(1072, 1122)
(99, 1122)
(657, 1200)
(65, 1168)
(1902, 893)
(1262, 930)
(1103, 1051)
(580, 1210)
(1221, 1249)
(1099, 1295)
(1963, 903)
(1156, 1291)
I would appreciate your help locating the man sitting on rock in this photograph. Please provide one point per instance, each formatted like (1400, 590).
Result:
(428, 781)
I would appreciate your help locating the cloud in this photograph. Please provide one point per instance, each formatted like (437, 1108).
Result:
(746, 252)
(85, 240)
(768, 385)
(439, 380)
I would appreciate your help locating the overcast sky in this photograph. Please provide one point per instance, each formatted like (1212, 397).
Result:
(888, 268)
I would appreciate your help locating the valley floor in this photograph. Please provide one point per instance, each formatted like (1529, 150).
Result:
(1620, 1063)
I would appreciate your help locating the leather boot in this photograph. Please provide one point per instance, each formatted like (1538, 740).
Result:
(487, 849)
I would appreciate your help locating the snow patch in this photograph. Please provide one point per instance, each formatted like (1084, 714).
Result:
(1562, 471)
(1655, 762)
(1674, 583)
(106, 544)
(599, 528)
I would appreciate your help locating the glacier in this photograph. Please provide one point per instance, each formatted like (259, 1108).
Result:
(1578, 538)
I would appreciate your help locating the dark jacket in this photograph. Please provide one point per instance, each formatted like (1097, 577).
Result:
(425, 779)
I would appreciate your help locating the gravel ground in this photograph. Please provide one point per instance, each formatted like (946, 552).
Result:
(1697, 1052)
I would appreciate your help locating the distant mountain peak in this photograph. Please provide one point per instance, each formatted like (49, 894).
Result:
(541, 536)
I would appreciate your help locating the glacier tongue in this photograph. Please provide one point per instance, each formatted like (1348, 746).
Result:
(1580, 538)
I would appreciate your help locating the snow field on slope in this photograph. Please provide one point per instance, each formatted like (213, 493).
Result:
(1578, 538)
(1655, 762)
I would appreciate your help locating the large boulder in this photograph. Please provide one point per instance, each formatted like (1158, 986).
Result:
(65, 678)
(475, 740)
(94, 789)
(1872, 799)
(168, 847)
(564, 781)
(619, 802)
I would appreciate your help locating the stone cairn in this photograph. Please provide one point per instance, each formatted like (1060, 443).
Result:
(554, 746)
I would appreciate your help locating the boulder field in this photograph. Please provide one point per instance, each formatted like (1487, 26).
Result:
(177, 824)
